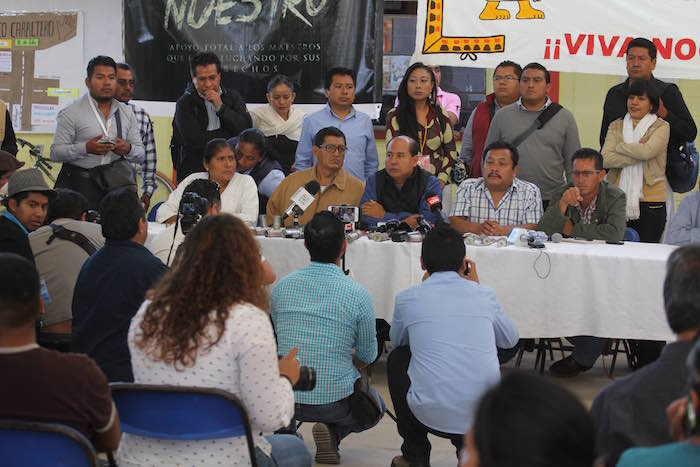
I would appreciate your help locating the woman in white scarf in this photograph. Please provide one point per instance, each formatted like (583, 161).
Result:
(635, 155)
(280, 122)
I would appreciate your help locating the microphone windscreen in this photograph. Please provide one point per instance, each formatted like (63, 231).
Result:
(557, 237)
(312, 187)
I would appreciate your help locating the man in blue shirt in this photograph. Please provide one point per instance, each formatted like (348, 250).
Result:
(684, 229)
(400, 191)
(445, 332)
(361, 158)
(330, 319)
(112, 285)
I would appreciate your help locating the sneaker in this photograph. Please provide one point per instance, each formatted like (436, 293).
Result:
(401, 461)
(326, 444)
(567, 368)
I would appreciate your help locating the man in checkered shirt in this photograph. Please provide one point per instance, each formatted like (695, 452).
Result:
(497, 202)
(124, 93)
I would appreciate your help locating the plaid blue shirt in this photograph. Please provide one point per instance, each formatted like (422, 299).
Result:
(148, 166)
(521, 204)
(325, 314)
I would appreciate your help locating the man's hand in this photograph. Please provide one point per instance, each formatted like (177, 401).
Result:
(373, 209)
(146, 200)
(571, 197)
(289, 366)
(663, 111)
(568, 228)
(213, 97)
(494, 229)
(93, 146)
(471, 274)
(411, 220)
(121, 147)
(675, 414)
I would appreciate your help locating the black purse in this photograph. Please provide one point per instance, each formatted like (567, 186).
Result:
(116, 174)
(364, 407)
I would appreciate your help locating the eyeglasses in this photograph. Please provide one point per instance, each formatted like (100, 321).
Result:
(507, 78)
(584, 174)
(126, 82)
(331, 148)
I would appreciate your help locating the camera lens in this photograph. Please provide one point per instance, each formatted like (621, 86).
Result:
(307, 379)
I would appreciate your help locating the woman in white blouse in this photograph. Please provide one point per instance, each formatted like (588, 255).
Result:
(280, 122)
(239, 193)
(205, 325)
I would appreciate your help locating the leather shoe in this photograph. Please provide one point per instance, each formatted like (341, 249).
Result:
(567, 368)
(401, 461)
(326, 444)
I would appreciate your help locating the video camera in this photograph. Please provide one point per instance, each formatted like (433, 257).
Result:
(192, 209)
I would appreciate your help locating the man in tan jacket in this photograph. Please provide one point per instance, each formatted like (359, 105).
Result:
(337, 186)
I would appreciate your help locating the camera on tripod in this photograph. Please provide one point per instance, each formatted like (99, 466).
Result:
(192, 209)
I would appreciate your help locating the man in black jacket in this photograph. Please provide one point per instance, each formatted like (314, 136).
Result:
(204, 112)
(641, 61)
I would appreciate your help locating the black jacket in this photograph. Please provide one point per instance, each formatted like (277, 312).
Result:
(683, 127)
(190, 133)
(14, 240)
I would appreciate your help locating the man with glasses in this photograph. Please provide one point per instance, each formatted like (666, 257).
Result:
(506, 90)
(545, 150)
(337, 185)
(592, 209)
(124, 92)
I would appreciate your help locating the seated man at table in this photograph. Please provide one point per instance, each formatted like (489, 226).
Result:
(444, 355)
(337, 185)
(330, 318)
(632, 411)
(685, 226)
(499, 201)
(592, 209)
(400, 191)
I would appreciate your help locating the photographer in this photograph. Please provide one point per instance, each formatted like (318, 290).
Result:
(205, 324)
(330, 318)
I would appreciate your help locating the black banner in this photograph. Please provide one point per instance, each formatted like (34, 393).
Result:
(255, 39)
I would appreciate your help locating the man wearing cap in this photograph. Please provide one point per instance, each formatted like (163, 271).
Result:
(27, 199)
(8, 165)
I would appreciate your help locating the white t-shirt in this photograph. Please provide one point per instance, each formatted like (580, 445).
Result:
(243, 362)
(163, 245)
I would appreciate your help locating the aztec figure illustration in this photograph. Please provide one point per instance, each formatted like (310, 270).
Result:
(492, 11)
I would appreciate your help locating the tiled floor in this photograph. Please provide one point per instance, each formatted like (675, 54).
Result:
(376, 447)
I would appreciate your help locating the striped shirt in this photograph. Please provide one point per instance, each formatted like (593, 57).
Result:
(326, 315)
(148, 165)
(521, 204)
(587, 215)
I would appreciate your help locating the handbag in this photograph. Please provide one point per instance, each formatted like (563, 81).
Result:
(116, 174)
(363, 405)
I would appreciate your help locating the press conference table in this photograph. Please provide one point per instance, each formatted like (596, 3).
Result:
(569, 288)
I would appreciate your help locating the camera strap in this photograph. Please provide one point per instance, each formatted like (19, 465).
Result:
(71, 236)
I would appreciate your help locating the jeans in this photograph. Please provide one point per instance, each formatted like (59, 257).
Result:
(415, 447)
(287, 451)
(337, 416)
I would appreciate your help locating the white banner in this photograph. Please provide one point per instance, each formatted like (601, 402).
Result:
(585, 36)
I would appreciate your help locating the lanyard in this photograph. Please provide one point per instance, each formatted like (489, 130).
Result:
(8, 215)
(105, 130)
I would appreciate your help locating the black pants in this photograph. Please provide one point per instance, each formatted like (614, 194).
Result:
(415, 447)
(78, 179)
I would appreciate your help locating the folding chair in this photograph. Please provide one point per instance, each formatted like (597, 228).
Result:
(181, 413)
(26, 443)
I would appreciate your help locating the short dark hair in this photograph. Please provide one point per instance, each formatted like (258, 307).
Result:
(443, 250)
(413, 146)
(277, 80)
(507, 63)
(537, 66)
(19, 291)
(120, 211)
(514, 154)
(100, 60)
(541, 423)
(18, 197)
(204, 59)
(67, 204)
(643, 43)
(320, 136)
(213, 147)
(324, 236)
(682, 289)
(591, 154)
(206, 189)
(127, 67)
(256, 138)
(640, 87)
(338, 71)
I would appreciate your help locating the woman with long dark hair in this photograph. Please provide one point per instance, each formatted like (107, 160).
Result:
(205, 324)
(419, 116)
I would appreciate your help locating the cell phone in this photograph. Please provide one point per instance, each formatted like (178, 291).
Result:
(105, 141)
(613, 242)
(346, 214)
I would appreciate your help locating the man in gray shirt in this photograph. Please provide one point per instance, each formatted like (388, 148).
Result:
(545, 155)
(95, 130)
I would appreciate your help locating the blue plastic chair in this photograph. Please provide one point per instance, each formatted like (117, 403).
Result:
(181, 413)
(36, 444)
(153, 212)
(631, 235)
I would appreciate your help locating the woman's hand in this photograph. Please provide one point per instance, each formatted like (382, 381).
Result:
(289, 366)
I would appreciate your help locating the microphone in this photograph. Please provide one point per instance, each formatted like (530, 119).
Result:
(435, 206)
(557, 237)
(302, 199)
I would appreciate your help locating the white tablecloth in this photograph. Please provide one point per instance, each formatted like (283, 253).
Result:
(567, 289)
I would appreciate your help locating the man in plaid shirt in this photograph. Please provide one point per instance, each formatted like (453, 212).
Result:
(497, 202)
(124, 93)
